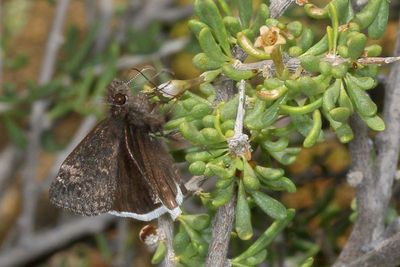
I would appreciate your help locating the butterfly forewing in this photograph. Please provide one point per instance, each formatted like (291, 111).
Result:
(86, 181)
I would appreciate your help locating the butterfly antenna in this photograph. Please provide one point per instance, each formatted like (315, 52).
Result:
(140, 72)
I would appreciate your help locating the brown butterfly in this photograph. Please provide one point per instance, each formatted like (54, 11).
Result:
(120, 167)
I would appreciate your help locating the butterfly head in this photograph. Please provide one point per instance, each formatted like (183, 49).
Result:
(124, 104)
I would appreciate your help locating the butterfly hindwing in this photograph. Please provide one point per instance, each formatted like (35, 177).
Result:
(146, 186)
(85, 183)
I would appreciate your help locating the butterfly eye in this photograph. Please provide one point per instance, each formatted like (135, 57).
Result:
(120, 99)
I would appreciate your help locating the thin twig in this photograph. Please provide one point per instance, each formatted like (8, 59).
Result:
(126, 62)
(10, 159)
(37, 124)
(120, 260)
(278, 7)
(221, 230)
(41, 244)
(103, 31)
(166, 227)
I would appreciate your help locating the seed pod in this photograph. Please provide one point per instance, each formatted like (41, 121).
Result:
(243, 225)
(209, 14)
(232, 24)
(250, 180)
(363, 103)
(160, 253)
(249, 48)
(210, 46)
(374, 122)
(281, 184)
(315, 131)
(356, 45)
(270, 206)
(203, 62)
(269, 173)
(301, 109)
(237, 75)
(223, 196)
(340, 114)
(196, 221)
(366, 16)
(295, 28)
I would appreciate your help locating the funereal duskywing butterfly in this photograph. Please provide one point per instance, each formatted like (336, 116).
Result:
(120, 167)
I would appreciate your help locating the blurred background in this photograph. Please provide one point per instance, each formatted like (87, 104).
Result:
(56, 59)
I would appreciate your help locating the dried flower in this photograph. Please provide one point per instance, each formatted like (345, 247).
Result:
(270, 37)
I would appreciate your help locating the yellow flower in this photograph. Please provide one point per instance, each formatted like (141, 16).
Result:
(269, 38)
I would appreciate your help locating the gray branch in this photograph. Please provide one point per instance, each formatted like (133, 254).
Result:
(278, 7)
(166, 226)
(40, 244)
(385, 254)
(37, 124)
(375, 190)
(221, 230)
